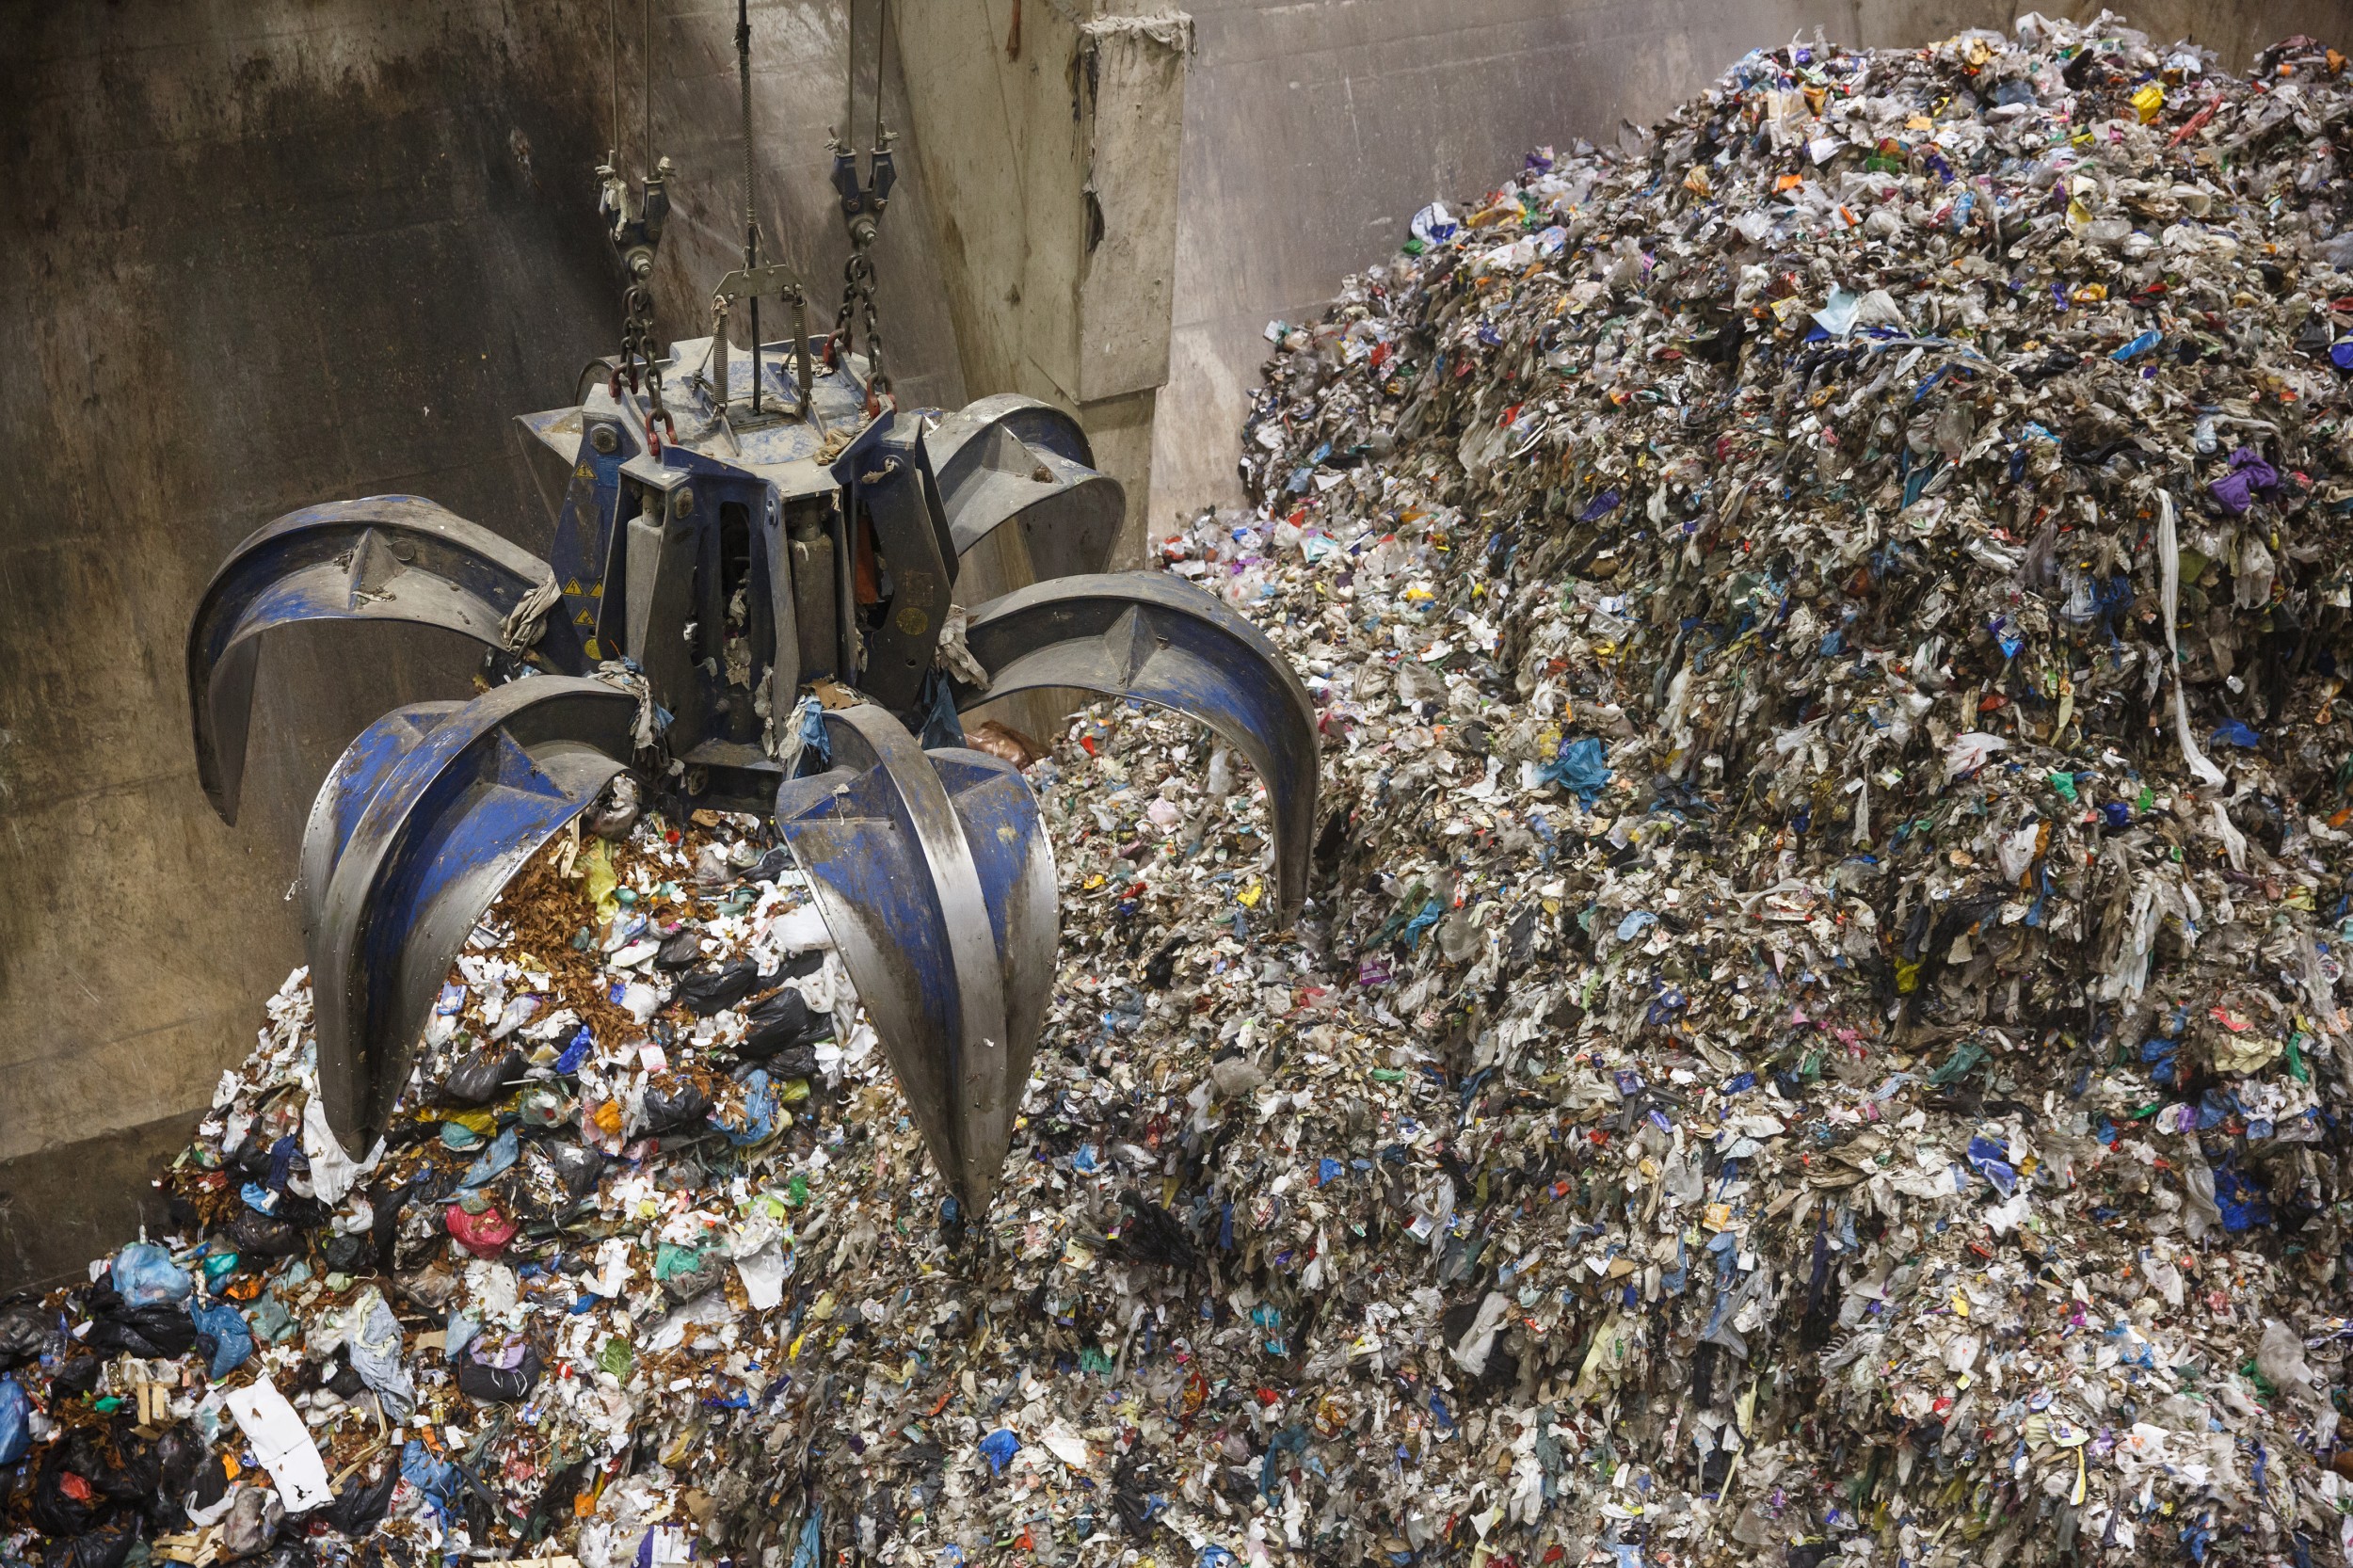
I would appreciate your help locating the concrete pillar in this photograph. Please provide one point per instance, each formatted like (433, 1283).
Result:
(1046, 136)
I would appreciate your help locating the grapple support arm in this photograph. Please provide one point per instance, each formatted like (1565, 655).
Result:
(420, 825)
(387, 558)
(1009, 457)
(938, 890)
(1159, 639)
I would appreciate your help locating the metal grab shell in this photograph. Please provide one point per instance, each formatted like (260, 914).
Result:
(932, 870)
(937, 888)
(385, 557)
(1159, 639)
(1010, 456)
(421, 822)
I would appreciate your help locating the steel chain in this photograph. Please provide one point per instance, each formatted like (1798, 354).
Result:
(638, 347)
(858, 298)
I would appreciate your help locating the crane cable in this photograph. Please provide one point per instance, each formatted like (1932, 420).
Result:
(751, 206)
(858, 273)
(639, 348)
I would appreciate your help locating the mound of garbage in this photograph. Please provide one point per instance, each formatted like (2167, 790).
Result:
(1816, 1035)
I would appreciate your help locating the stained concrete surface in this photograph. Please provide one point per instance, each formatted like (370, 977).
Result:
(282, 252)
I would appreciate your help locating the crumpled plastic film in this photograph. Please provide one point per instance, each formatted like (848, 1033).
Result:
(1899, 1107)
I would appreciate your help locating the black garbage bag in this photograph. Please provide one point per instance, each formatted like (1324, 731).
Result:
(342, 1379)
(539, 1191)
(680, 950)
(345, 1254)
(361, 1505)
(178, 1452)
(482, 1078)
(1135, 1488)
(164, 1331)
(76, 1375)
(677, 1104)
(562, 1490)
(498, 1384)
(1150, 1233)
(207, 1487)
(708, 991)
(578, 1167)
(302, 1213)
(776, 1022)
(66, 1499)
(104, 1547)
(387, 1198)
(252, 1233)
(138, 1471)
(781, 1022)
(791, 1062)
(26, 1329)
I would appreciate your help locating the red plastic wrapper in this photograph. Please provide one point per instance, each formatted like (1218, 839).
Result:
(485, 1235)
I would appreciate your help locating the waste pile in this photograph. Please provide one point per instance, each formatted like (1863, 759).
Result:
(1816, 1037)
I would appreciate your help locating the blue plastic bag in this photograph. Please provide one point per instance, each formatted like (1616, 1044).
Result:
(2243, 1202)
(999, 1448)
(436, 1477)
(1290, 1440)
(494, 1161)
(2230, 733)
(145, 1275)
(757, 1122)
(937, 702)
(817, 755)
(1434, 224)
(233, 1341)
(1582, 769)
(1990, 1159)
(16, 1421)
(583, 1041)
(812, 1543)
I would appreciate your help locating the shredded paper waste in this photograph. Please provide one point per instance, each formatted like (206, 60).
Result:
(1818, 1036)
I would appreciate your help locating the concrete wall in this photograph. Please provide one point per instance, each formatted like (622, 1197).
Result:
(272, 253)
(1050, 138)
